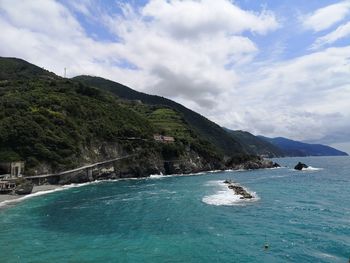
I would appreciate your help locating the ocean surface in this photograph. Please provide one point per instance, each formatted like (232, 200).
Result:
(303, 216)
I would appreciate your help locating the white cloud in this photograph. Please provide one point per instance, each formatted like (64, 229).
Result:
(43, 17)
(302, 98)
(47, 34)
(189, 19)
(341, 32)
(326, 17)
(191, 43)
(196, 52)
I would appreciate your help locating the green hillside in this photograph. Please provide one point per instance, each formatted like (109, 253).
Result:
(57, 122)
(206, 128)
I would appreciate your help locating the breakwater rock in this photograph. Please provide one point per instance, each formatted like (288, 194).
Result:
(239, 190)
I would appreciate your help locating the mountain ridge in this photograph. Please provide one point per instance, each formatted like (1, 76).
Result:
(295, 148)
(207, 128)
(256, 145)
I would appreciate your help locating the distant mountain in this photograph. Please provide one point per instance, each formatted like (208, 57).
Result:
(296, 148)
(206, 128)
(256, 145)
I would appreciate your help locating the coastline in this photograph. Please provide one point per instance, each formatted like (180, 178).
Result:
(37, 190)
(7, 199)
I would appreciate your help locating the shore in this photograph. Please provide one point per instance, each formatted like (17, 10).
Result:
(36, 189)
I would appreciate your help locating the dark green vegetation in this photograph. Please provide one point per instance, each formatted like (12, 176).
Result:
(45, 118)
(295, 148)
(54, 123)
(204, 127)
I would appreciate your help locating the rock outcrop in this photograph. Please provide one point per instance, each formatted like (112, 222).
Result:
(300, 166)
(239, 190)
(24, 189)
(250, 163)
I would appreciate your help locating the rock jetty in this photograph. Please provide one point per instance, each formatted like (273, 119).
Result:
(239, 190)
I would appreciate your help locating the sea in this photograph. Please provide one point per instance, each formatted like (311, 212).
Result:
(295, 216)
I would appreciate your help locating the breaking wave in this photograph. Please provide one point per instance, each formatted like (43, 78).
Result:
(226, 197)
(44, 192)
(310, 168)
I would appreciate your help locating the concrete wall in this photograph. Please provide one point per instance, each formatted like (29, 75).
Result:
(14, 169)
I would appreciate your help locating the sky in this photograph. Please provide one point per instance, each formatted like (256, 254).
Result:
(274, 67)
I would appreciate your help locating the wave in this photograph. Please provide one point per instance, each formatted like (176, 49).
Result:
(45, 192)
(58, 188)
(159, 176)
(226, 196)
(153, 176)
(310, 168)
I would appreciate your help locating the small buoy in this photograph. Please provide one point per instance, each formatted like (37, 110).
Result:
(266, 246)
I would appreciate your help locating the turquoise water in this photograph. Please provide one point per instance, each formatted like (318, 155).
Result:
(304, 216)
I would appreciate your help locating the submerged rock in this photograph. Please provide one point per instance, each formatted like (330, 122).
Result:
(300, 166)
(229, 182)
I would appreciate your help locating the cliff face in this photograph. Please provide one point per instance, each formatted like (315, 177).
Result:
(144, 165)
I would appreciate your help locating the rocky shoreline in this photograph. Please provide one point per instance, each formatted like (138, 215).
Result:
(141, 167)
(144, 170)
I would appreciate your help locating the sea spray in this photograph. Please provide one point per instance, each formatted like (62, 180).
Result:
(225, 196)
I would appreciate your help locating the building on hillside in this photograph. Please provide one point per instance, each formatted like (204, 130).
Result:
(11, 169)
(158, 138)
(168, 139)
(164, 139)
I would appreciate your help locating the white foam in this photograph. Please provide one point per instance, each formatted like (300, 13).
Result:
(310, 168)
(156, 176)
(44, 192)
(225, 196)
(216, 171)
(159, 176)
